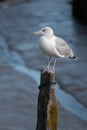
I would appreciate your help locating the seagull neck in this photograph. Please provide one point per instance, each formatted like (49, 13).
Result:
(49, 36)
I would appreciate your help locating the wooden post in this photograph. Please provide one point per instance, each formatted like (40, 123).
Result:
(47, 113)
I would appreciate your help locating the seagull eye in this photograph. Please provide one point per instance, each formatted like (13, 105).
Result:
(44, 30)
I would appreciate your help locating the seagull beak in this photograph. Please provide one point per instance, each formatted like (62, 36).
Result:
(36, 33)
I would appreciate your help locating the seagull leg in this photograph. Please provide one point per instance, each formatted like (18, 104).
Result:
(54, 65)
(48, 66)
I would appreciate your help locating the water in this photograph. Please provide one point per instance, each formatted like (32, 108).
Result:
(65, 99)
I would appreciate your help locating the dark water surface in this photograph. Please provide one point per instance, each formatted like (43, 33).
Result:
(17, 24)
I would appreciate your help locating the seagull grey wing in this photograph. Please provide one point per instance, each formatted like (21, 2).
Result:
(63, 48)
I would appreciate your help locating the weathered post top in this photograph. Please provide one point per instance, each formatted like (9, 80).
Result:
(47, 114)
(47, 79)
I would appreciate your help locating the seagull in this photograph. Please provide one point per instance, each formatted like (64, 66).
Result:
(53, 46)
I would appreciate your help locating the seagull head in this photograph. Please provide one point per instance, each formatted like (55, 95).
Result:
(47, 31)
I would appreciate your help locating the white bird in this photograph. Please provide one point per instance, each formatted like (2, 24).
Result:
(54, 46)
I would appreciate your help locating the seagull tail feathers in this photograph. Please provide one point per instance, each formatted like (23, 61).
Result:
(75, 58)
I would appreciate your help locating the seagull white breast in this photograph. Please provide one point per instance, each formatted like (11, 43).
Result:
(48, 46)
